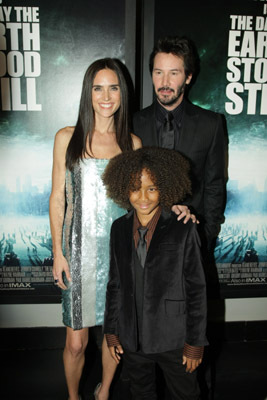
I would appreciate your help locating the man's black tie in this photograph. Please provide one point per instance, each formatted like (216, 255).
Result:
(167, 133)
(141, 246)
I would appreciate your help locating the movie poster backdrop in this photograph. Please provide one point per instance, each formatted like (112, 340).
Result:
(231, 37)
(45, 49)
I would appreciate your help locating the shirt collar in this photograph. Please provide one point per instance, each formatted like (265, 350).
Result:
(137, 224)
(177, 113)
(151, 226)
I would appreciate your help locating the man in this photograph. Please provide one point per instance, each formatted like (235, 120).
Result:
(172, 122)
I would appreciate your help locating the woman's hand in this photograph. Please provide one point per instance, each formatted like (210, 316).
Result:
(61, 265)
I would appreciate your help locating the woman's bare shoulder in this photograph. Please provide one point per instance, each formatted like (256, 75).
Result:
(137, 142)
(64, 135)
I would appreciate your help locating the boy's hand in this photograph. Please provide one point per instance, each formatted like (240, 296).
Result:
(183, 212)
(191, 364)
(115, 352)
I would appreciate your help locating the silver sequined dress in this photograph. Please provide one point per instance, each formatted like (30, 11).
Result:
(88, 219)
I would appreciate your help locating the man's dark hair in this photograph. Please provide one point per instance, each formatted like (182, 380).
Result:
(168, 170)
(179, 46)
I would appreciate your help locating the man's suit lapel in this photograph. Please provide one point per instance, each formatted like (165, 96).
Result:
(189, 128)
(150, 128)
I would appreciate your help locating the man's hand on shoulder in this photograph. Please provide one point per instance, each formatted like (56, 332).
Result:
(183, 212)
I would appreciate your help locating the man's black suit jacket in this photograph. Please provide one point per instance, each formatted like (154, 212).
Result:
(202, 142)
(174, 302)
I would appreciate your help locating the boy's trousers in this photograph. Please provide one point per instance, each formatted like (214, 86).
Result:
(140, 367)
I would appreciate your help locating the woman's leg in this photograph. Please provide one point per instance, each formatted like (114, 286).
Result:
(73, 358)
(108, 371)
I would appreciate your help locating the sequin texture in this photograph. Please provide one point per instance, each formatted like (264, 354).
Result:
(87, 223)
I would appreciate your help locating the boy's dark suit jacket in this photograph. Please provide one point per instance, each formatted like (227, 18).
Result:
(174, 303)
(202, 141)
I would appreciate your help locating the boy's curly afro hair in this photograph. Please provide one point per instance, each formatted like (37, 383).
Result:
(168, 170)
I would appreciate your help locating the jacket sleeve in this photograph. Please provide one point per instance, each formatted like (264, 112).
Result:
(195, 291)
(214, 190)
(113, 291)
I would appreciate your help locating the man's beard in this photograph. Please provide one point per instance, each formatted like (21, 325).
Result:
(170, 101)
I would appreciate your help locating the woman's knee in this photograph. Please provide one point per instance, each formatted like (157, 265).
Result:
(76, 342)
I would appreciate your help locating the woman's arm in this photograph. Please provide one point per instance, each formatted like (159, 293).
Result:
(57, 204)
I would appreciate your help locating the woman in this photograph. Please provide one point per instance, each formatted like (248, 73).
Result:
(81, 154)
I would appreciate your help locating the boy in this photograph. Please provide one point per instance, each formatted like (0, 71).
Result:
(156, 298)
